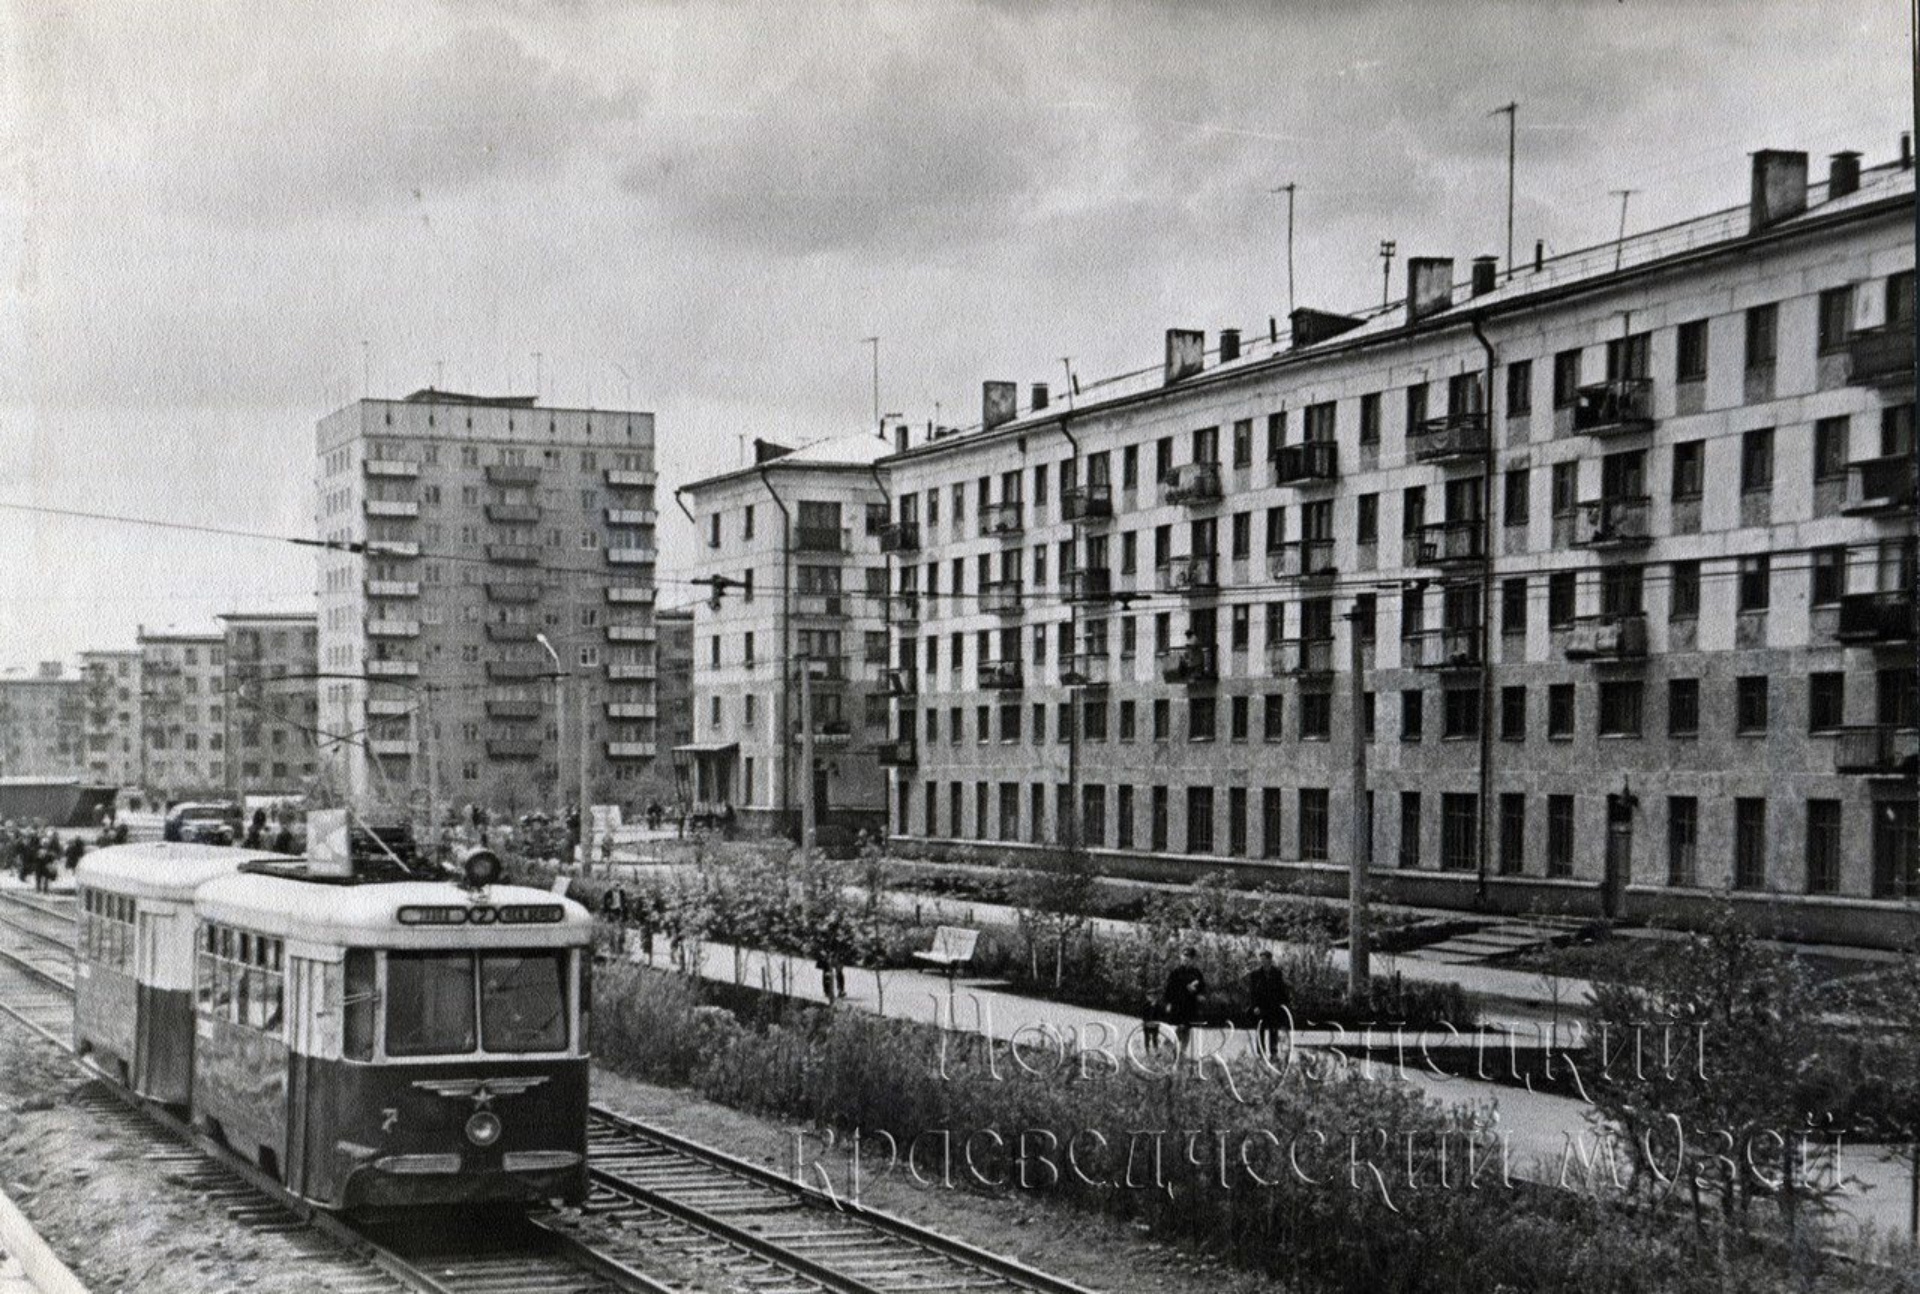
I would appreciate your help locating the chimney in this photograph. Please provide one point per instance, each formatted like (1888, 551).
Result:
(1186, 353)
(765, 451)
(997, 403)
(1779, 188)
(1429, 286)
(1039, 400)
(1310, 326)
(900, 438)
(1906, 149)
(1229, 345)
(1539, 255)
(1485, 273)
(1843, 175)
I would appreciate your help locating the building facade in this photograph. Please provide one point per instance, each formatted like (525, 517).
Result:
(272, 702)
(111, 724)
(42, 723)
(183, 714)
(1621, 544)
(478, 547)
(675, 655)
(790, 549)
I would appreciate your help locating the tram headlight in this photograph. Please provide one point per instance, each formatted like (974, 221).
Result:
(483, 1129)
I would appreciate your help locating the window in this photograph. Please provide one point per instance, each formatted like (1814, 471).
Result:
(1749, 843)
(1370, 419)
(1566, 378)
(1157, 808)
(1683, 707)
(1237, 821)
(1272, 718)
(1829, 574)
(982, 724)
(1683, 839)
(1093, 720)
(1756, 461)
(1416, 406)
(1199, 819)
(1513, 713)
(1123, 816)
(1459, 832)
(1127, 720)
(1519, 388)
(1756, 592)
(1312, 824)
(1762, 336)
(1513, 833)
(1316, 716)
(1412, 714)
(1750, 705)
(1621, 703)
(1270, 825)
(1460, 713)
(1409, 829)
(1684, 591)
(1691, 364)
(1517, 497)
(1823, 846)
(1836, 318)
(1243, 443)
(1242, 535)
(1560, 713)
(1560, 599)
(1689, 469)
(1830, 449)
(1560, 835)
(1826, 700)
(1201, 718)
(1239, 719)
(1367, 707)
(1162, 718)
(1513, 605)
(1566, 489)
(1366, 520)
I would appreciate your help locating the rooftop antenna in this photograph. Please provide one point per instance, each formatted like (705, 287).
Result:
(875, 343)
(539, 372)
(1288, 189)
(439, 375)
(1073, 386)
(629, 379)
(1513, 113)
(366, 370)
(1619, 243)
(1387, 249)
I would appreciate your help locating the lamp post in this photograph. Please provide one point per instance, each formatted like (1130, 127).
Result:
(584, 809)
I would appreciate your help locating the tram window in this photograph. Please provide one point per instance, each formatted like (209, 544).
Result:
(523, 1001)
(429, 1004)
(356, 1041)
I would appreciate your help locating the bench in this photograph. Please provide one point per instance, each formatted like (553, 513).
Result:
(952, 949)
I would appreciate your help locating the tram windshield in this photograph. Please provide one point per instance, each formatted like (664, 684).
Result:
(441, 1004)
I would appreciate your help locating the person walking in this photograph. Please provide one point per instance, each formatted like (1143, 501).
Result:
(76, 850)
(1268, 996)
(283, 839)
(1186, 985)
(47, 864)
(613, 910)
(1150, 1008)
(256, 830)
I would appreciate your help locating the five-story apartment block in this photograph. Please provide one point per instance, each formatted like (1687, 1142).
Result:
(272, 702)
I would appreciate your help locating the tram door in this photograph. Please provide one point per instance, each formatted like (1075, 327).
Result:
(308, 1018)
(150, 1044)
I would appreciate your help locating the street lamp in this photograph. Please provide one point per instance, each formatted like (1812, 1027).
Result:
(580, 686)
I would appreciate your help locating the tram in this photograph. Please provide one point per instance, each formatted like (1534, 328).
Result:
(376, 1045)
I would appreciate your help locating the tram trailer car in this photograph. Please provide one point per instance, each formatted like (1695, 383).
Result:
(384, 1046)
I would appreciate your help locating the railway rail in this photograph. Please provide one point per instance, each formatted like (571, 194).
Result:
(723, 1221)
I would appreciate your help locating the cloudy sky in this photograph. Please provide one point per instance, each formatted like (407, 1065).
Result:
(209, 210)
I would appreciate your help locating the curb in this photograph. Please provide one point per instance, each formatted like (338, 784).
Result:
(40, 1264)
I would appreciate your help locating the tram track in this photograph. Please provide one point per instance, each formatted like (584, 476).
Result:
(726, 1223)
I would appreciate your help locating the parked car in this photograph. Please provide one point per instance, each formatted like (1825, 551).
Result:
(211, 823)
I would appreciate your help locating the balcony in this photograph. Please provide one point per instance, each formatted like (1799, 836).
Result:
(498, 592)
(1301, 559)
(1002, 520)
(632, 556)
(392, 548)
(1883, 619)
(513, 748)
(903, 609)
(1878, 750)
(1193, 665)
(393, 669)
(823, 539)
(513, 514)
(1087, 503)
(396, 508)
(1454, 438)
(1619, 406)
(499, 633)
(1879, 485)
(392, 467)
(630, 750)
(1449, 543)
(1192, 484)
(514, 709)
(391, 747)
(1608, 638)
(501, 474)
(1881, 356)
(829, 732)
(900, 537)
(626, 478)
(632, 710)
(629, 673)
(820, 606)
(1199, 573)
(393, 588)
(1457, 648)
(1614, 523)
(513, 554)
(393, 628)
(619, 633)
(829, 670)
(903, 753)
(630, 594)
(902, 681)
(632, 517)
(1089, 669)
(388, 708)
(1090, 584)
(1299, 656)
(1306, 464)
(518, 670)
(1002, 599)
(1001, 675)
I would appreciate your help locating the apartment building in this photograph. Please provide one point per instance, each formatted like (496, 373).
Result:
(183, 713)
(790, 549)
(111, 724)
(42, 723)
(1622, 542)
(485, 598)
(676, 696)
(273, 704)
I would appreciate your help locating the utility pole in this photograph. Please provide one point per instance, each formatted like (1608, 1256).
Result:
(1620, 241)
(1358, 974)
(1513, 113)
(1288, 189)
(1387, 249)
(433, 768)
(807, 824)
(586, 808)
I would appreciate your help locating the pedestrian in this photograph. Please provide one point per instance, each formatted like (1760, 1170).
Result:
(1150, 1023)
(647, 912)
(256, 830)
(121, 833)
(1185, 987)
(653, 815)
(613, 910)
(1268, 996)
(283, 839)
(48, 862)
(76, 850)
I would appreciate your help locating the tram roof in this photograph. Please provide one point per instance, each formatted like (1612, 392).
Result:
(370, 916)
(163, 870)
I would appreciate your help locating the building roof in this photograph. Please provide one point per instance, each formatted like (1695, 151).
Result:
(285, 616)
(860, 449)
